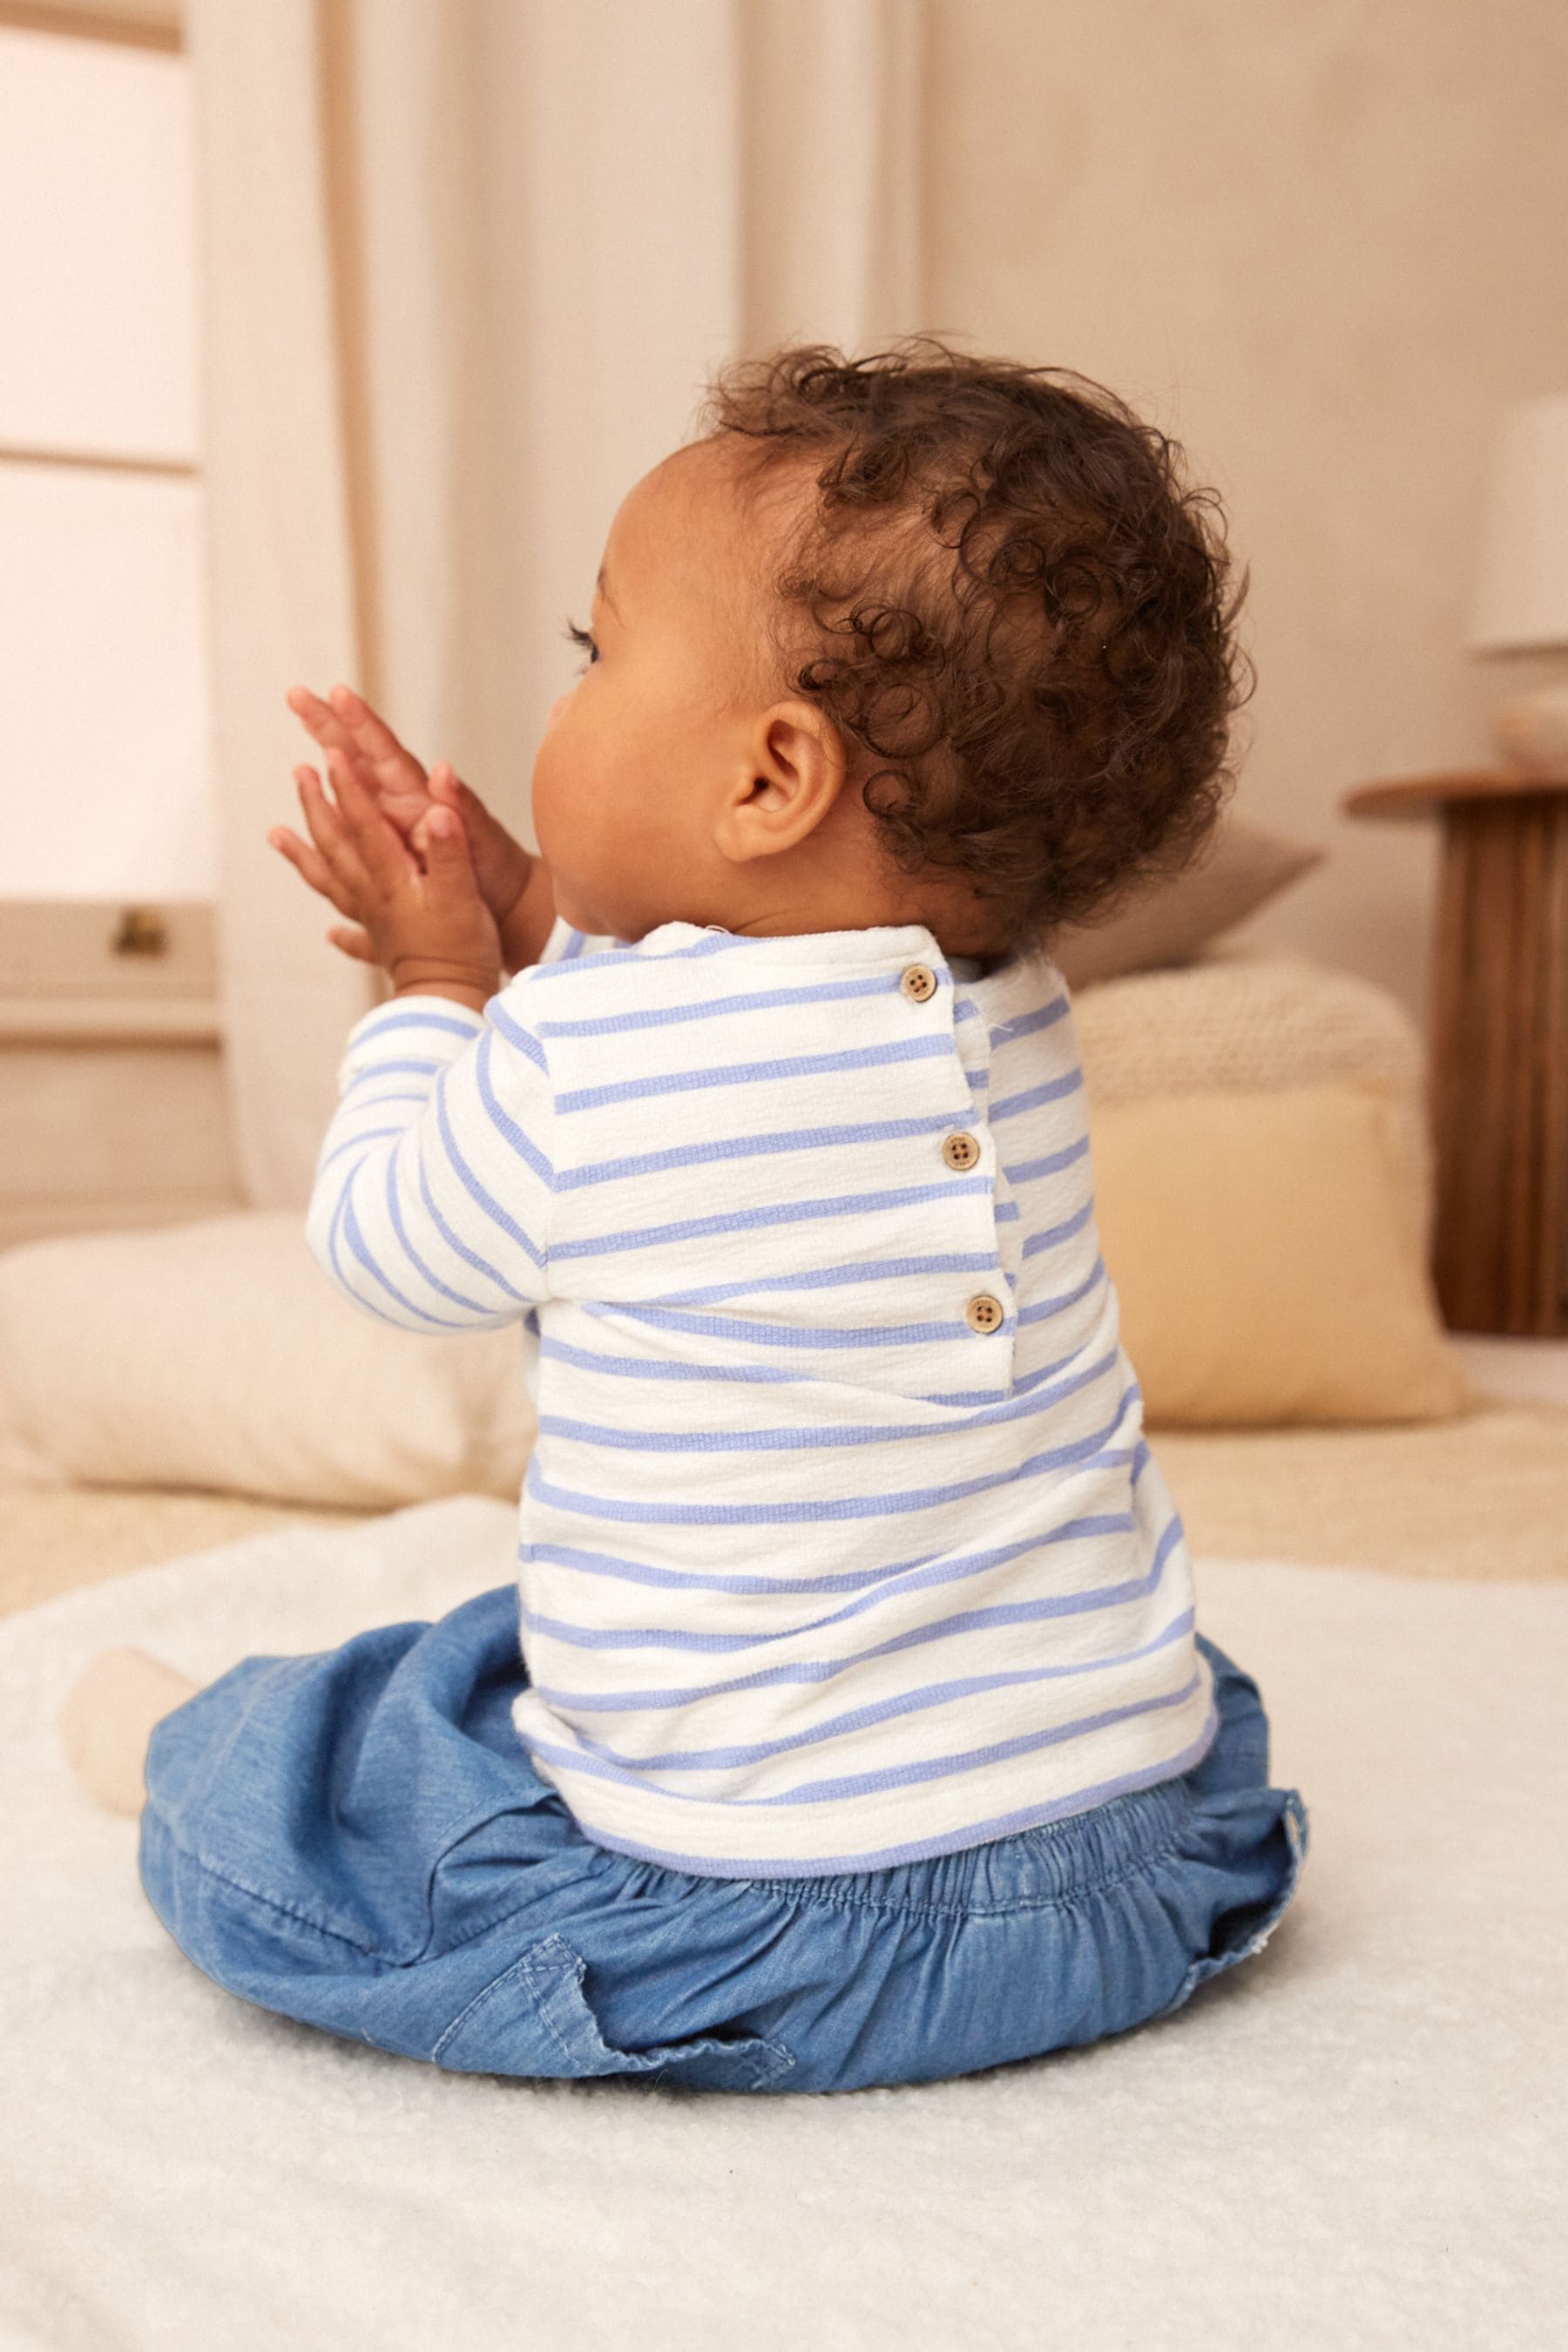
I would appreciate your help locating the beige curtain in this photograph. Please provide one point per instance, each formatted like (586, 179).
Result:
(466, 266)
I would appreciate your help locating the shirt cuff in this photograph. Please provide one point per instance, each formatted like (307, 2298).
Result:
(431, 1030)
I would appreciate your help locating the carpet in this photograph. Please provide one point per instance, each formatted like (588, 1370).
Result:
(1356, 2138)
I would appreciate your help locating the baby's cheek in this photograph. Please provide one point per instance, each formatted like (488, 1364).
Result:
(550, 763)
(563, 796)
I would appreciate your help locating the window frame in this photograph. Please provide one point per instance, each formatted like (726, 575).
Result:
(77, 968)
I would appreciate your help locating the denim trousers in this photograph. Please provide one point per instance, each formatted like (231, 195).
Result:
(358, 1840)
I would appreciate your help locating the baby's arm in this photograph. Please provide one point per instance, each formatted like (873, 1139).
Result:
(434, 1101)
(433, 1189)
(432, 1197)
(513, 882)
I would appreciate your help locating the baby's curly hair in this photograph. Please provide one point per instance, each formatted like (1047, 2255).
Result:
(1016, 610)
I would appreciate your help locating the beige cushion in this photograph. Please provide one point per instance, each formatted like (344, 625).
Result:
(1241, 1027)
(1168, 922)
(1264, 1260)
(218, 1355)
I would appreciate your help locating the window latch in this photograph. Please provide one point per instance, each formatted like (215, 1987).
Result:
(143, 932)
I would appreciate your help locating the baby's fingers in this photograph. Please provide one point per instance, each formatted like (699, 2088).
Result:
(395, 768)
(448, 788)
(328, 833)
(317, 718)
(354, 942)
(311, 867)
(447, 863)
(377, 842)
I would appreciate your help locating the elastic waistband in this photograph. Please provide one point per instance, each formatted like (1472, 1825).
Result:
(1079, 1855)
(1057, 1860)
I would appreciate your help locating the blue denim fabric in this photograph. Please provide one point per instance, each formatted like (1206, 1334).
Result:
(358, 1840)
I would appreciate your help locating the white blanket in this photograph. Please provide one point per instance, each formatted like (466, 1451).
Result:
(1356, 2139)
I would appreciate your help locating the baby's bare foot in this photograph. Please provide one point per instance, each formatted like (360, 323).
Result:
(109, 1719)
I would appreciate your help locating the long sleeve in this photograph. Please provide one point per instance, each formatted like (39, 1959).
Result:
(431, 1205)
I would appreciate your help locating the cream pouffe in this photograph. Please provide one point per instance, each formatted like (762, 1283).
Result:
(217, 1355)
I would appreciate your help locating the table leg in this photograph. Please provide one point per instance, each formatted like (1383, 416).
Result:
(1500, 1068)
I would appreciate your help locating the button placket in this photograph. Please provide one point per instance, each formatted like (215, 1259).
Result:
(962, 1150)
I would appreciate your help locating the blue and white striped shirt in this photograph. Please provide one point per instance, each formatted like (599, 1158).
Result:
(840, 1541)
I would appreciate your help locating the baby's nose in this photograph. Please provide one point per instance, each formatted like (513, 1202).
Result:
(556, 708)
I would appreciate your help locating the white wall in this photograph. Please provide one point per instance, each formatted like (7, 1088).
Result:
(1324, 242)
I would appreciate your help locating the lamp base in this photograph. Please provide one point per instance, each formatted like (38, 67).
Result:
(1532, 733)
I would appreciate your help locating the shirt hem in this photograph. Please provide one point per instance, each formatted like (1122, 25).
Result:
(853, 1865)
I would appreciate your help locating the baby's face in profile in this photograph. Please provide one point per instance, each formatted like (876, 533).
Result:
(655, 745)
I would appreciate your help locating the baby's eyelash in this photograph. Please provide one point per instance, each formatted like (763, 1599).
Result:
(583, 640)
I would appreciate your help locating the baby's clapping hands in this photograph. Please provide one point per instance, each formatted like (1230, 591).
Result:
(422, 919)
(411, 848)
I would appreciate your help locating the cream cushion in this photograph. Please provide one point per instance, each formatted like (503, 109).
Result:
(218, 1355)
(1250, 1026)
(1265, 1263)
(1239, 1108)
(1169, 922)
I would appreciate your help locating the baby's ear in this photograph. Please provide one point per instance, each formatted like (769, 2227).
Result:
(795, 774)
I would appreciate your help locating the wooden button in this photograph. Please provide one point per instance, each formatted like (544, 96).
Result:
(919, 983)
(984, 1313)
(961, 1151)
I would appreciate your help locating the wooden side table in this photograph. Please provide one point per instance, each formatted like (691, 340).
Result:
(1499, 1044)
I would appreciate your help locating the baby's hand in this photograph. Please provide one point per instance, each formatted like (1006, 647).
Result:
(358, 741)
(425, 924)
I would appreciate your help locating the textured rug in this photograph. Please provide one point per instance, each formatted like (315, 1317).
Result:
(1356, 2138)
(1483, 1496)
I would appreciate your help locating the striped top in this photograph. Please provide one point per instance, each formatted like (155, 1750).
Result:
(840, 1542)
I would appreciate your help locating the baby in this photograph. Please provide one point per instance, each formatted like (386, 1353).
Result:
(858, 1731)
